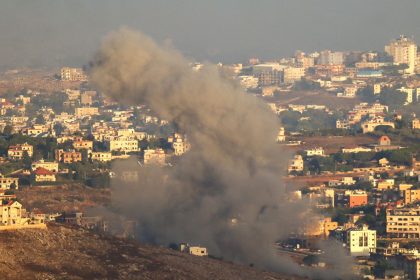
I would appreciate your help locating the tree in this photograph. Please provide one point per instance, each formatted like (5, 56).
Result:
(27, 161)
(366, 94)
(392, 98)
(13, 186)
(8, 130)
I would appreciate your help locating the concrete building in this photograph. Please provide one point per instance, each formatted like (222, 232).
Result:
(318, 151)
(86, 111)
(350, 91)
(370, 125)
(293, 74)
(51, 166)
(10, 213)
(73, 74)
(357, 198)
(87, 97)
(248, 82)
(83, 144)
(67, 156)
(197, 251)
(384, 141)
(387, 184)
(411, 196)
(355, 150)
(17, 151)
(415, 124)
(403, 222)
(101, 156)
(72, 94)
(328, 57)
(296, 164)
(403, 51)
(122, 144)
(43, 175)
(154, 156)
(7, 182)
(193, 250)
(281, 137)
(305, 62)
(409, 92)
(361, 241)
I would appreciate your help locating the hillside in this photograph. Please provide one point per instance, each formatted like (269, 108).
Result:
(63, 252)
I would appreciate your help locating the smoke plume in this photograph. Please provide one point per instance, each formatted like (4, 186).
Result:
(227, 192)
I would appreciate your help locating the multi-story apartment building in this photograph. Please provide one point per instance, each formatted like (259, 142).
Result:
(86, 111)
(122, 144)
(72, 94)
(101, 156)
(296, 164)
(83, 144)
(154, 156)
(328, 57)
(411, 196)
(361, 241)
(293, 74)
(72, 74)
(7, 182)
(67, 156)
(17, 151)
(403, 51)
(403, 222)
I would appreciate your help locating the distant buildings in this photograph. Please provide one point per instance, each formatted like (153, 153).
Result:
(281, 137)
(361, 241)
(415, 124)
(403, 223)
(7, 183)
(86, 111)
(18, 151)
(317, 151)
(122, 144)
(372, 124)
(193, 250)
(403, 51)
(101, 156)
(293, 74)
(328, 57)
(51, 166)
(72, 74)
(67, 156)
(411, 196)
(43, 175)
(357, 198)
(154, 156)
(296, 164)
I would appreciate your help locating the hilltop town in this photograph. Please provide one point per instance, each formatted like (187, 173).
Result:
(350, 121)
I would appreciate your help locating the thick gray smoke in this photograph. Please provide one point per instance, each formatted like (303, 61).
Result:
(226, 193)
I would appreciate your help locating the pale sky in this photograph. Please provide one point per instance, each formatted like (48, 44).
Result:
(57, 32)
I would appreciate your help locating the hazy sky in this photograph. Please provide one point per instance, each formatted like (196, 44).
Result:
(56, 32)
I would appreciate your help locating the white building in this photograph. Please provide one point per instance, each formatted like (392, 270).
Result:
(403, 51)
(123, 145)
(360, 241)
(318, 151)
(409, 92)
(328, 57)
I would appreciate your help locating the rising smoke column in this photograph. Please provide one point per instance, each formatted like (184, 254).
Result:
(233, 170)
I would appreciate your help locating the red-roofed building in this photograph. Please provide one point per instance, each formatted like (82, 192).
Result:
(384, 141)
(43, 175)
